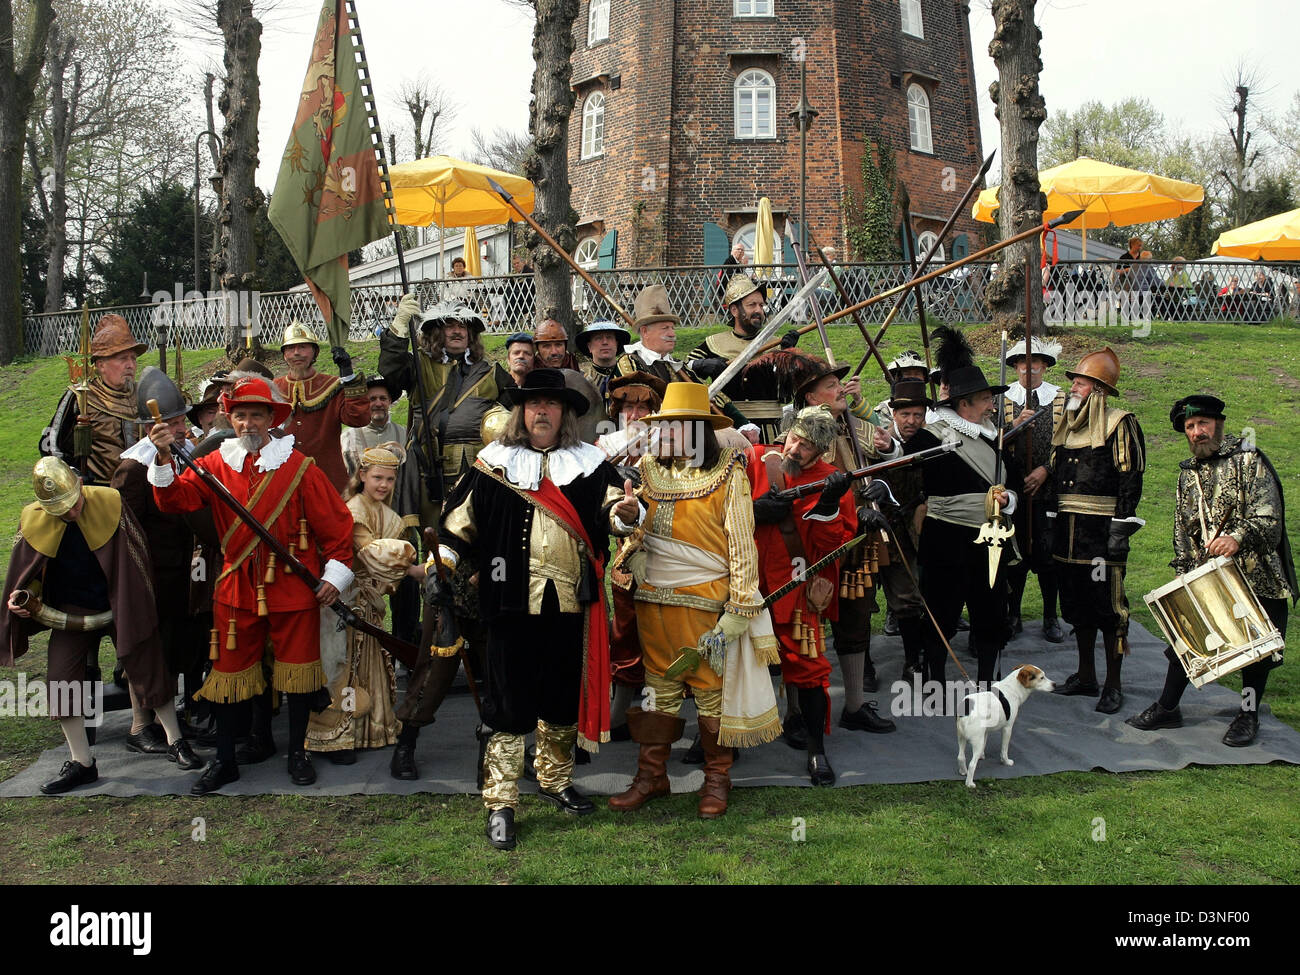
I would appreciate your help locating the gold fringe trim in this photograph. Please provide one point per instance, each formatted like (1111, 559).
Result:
(222, 687)
(298, 678)
(767, 650)
(450, 651)
(588, 745)
(757, 731)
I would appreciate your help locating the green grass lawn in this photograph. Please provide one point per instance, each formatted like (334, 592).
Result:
(1215, 825)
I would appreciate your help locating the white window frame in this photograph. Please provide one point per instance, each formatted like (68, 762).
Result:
(587, 253)
(593, 125)
(910, 12)
(923, 242)
(745, 235)
(746, 89)
(752, 8)
(920, 135)
(597, 22)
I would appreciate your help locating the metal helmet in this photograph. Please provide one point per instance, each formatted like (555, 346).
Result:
(157, 385)
(741, 286)
(1101, 366)
(56, 486)
(296, 333)
(550, 331)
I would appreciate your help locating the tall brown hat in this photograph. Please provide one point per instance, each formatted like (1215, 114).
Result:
(636, 386)
(113, 335)
(652, 306)
(550, 331)
(1101, 366)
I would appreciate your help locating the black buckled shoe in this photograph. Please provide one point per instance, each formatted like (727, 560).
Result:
(149, 740)
(794, 733)
(71, 775)
(256, 749)
(865, 718)
(1111, 700)
(1052, 631)
(215, 775)
(182, 753)
(403, 764)
(870, 682)
(1242, 731)
(1155, 717)
(1073, 686)
(301, 771)
(820, 771)
(569, 800)
(345, 756)
(501, 828)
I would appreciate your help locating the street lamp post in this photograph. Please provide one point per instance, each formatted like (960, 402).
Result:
(803, 116)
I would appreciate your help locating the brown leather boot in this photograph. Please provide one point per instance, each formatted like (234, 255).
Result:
(717, 765)
(655, 732)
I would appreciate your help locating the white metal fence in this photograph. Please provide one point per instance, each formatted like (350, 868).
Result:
(1083, 292)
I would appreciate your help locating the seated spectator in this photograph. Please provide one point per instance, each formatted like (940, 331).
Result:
(1233, 297)
(1262, 298)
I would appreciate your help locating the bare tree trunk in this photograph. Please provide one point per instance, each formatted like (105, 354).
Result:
(63, 110)
(17, 86)
(240, 101)
(548, 164)
(1020, 110)
(214, 248)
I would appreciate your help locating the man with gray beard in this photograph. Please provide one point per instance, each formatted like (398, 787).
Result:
(1229, 503)
(1098, 456)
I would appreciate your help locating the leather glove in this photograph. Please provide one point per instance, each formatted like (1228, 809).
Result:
(836, 487)
(870, 521)
(343, 361)
(710, 368)
(790, 339)
(407, 309)
(878, 491)
(769, 508)
(632, 474)
(1117, 542)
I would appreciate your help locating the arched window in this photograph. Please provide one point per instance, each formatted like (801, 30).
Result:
(755, 105)
(586, 251)
(911, 11)
(745, 236)
(918, 119)
(593, 125)
(597, 22)
(923, 244)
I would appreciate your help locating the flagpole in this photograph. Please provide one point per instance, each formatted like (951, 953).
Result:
(432, 476)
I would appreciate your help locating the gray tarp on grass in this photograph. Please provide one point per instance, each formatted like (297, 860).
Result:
(1053, 734)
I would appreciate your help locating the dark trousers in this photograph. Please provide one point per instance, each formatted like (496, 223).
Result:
(534, 668)
(949, 587)
(852, 631)
(405, 602)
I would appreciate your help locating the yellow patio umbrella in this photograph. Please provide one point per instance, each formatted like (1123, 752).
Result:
(1276, 238)
(445, 192)
(764, 239)
(1107, 195)
(473, 265)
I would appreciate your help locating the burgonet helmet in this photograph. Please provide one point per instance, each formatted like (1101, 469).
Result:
(154, 384)
(56, 486)
(740, 287)
(297, 333)
(1101, 366)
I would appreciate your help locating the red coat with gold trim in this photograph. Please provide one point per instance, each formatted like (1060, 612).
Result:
(819, 538)
(328, 529)
(322, 406)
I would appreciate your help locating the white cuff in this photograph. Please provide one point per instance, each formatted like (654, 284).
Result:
(1010, 509)
(161, 475)
(1134, 519)
(812, 517)
(623, 528)
(748, 426)
(449, 557)
(893, 452)
(348, 378)
(337, 575)
(1051, 514)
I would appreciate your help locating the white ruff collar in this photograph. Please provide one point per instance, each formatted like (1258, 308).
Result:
(523, 465)
(949, 416)
(271, 456)
(1046, 393)
(650, 356)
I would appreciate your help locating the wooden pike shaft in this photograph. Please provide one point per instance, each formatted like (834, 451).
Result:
(919, 293)
(872, 348)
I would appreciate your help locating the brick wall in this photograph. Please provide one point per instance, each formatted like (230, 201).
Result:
(671, 161)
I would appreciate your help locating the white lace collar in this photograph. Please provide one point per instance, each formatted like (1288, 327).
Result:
(523, 465)
(650, 357)
(142, 451)
(270, 457)
(1046, 393)
(447, 358)
(945, 414)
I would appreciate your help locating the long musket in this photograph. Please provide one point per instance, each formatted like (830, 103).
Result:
(919, 291)
(432, 478)
(933, 249)
(920, 457)
(403, 651)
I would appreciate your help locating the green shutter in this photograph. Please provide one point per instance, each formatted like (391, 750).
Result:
(716, 245)
(607, 254)
(960, 247)
(787, 249)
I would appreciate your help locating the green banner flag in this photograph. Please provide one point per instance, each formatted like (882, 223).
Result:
(328, 197)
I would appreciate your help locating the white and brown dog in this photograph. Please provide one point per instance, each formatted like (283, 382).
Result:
(986, 711)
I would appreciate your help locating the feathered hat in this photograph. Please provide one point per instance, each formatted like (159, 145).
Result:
(957, 367)
(784, 375)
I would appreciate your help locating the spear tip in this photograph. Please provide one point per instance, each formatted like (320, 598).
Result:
(498, 189)
(1064, 218)
(988, 161)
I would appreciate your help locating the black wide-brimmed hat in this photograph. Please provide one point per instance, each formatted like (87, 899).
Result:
(547, 382)
(1198, 404)
(966, 380)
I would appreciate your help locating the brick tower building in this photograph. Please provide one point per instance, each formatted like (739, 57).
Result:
(682, 118)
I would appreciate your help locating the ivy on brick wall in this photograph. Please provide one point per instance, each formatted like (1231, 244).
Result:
(871, 214)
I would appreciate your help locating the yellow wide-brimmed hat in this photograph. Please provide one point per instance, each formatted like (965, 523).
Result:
(688, 401)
